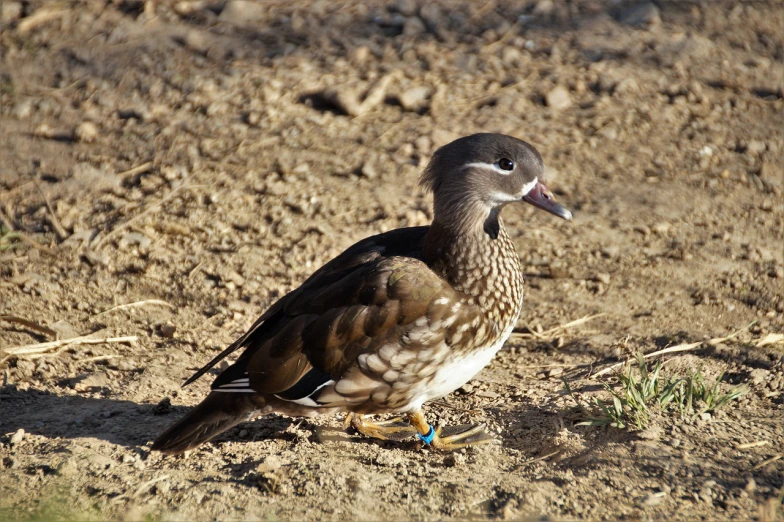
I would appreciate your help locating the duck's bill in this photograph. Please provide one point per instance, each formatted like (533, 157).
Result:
(540, 196)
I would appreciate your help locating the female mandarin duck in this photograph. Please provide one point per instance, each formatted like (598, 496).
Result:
(395, 321)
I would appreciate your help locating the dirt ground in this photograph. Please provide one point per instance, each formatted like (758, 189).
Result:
(198, 159)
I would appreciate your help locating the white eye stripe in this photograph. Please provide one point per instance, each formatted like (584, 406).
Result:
(489, 166)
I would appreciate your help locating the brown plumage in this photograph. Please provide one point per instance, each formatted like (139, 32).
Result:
(396, 320)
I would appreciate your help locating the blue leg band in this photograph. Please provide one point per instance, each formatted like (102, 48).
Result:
(427, 439)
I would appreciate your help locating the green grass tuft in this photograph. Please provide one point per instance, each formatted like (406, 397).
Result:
(642, 391)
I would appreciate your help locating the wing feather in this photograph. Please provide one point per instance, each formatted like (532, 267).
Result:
(373, 296)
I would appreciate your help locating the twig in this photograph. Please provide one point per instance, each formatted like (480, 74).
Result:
(531, 334)
(541, 458)
(16, 234)
(39, 17)
(771, 338)
(58, 228)
(195, 270)
(752, 444)
(135, 304)
(99, 358)
(30, 324)
(766, 462)
(140, 215)
(679, 348)
(534, 366)
(45, 347)
(6, 221)
(139, 169)
(141, 489)
(508, 34)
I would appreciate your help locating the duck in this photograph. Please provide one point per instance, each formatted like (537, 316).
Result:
(397, 320)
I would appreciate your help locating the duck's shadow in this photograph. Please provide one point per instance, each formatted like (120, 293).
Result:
(120, 422)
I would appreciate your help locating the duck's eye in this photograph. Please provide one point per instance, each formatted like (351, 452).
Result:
(506, 164)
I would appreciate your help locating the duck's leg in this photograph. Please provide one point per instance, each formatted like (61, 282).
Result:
(473, 436)
(392, 429)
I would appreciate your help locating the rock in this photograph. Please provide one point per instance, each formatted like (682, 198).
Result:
(558, 272)
(407, 7)
(758, 376)
(558, 98)
(454, 460)
(163, 407)
(414, 25)
(64, 329)
(86, 132)
(69, 467)
(661, 228)
(23, 109)
(85, 176)
(554, 372)
(93, 382)
(11, 11)
(167, 330)
(432, 15)
(602, 278)
(626, 86)
(135, 239)
(360, 54)
(97, 258)
(414, 99)
(242, 12)
(611, 251)
(653, 499)
(772, 175)
(643, 14)
(369, 171)
(18, 436)
(755, 147)
(100, 462)
(544, 7)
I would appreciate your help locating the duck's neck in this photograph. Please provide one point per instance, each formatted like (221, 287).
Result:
(480, 263)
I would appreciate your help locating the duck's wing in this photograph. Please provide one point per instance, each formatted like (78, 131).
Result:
(361, 256)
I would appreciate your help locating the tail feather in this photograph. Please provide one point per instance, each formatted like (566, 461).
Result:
(215, 414)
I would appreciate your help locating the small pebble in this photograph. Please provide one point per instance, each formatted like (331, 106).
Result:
(86, 132)
(11, 11)
(167, 330)
(558, 98)
(642, 14)
(415, 98)
(454, 460)
(755, 147)
(18, 437)
(653, 499)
